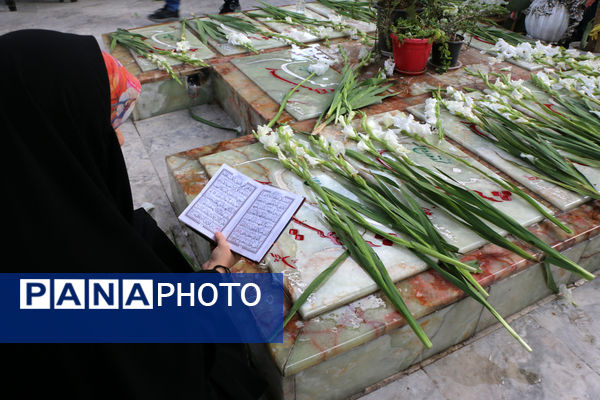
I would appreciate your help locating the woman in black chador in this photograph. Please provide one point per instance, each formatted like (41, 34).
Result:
(67, 207)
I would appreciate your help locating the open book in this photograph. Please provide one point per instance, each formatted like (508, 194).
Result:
(250, 215)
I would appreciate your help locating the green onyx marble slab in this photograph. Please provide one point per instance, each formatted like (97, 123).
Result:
(279, 72)
(353, 23)
(258, 41)
(165, 37)
(299, 32)
(465, 134)
(488, 47)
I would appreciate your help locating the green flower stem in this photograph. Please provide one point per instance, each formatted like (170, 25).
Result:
(504, 184)
(314, 285)
(285, 100)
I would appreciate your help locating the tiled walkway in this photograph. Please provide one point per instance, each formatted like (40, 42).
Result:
(565, 363)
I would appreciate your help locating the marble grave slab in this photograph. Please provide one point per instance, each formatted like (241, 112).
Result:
(165, 37)
(469, 136)
(279, 72)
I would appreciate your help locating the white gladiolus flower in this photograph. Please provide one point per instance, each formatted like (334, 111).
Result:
(363, 52)
(403, 122)
(387, 120)
(398, 149)
(378, 132)
(159, 60)
(269, 141)
(337, 147)
(237, 38)
(183, 46)
(421, 129)
(388, 66)
(516, 94)
(544, 78)
(349, 132)
(324, 31)
(572, 52)
(310, 160)
(336, 19)
(372, 124)
(318, 68)
(280, 155)
(300, 36)
(362, 146)
(527, 157)
(286, 131)
(262, 130)
(430, 116)
(322, 142)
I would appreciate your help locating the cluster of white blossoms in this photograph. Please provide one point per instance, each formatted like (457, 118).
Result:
(460, 104)
(430, 114)
(525, 51)
(281, 140)
(323, 31)
(159, 60)
(268, 137)
(320, 62)
(374, 130)
(388, 66)
(182, 46)
(235, 37)
(407, 122)
(584, 84)
(299, 35)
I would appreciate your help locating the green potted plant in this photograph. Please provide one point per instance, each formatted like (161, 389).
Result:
(412, 39)
(388, 12)
(453, 17)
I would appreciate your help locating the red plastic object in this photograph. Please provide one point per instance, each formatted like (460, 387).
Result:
(411, 55)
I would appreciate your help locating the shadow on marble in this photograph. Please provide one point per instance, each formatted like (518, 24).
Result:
(147, 189)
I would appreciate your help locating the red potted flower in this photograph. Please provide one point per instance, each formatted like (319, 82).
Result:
(411, 44)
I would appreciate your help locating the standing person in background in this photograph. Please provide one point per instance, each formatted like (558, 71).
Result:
(170, 10)
(69, 209)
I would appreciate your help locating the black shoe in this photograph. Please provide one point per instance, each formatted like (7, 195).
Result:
(164, 15)
(230, 6)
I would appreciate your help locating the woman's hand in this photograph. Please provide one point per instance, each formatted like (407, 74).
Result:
(221, 254)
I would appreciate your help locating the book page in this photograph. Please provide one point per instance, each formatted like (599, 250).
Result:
(249, 214)
(219, 202)
(265, 218)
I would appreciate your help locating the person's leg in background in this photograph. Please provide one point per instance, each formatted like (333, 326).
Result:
(169, 12)
(230, 6)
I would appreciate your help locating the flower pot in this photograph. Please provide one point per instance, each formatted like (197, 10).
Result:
(411, 55)
(546, 21)
(437, 53)
(385, 19)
